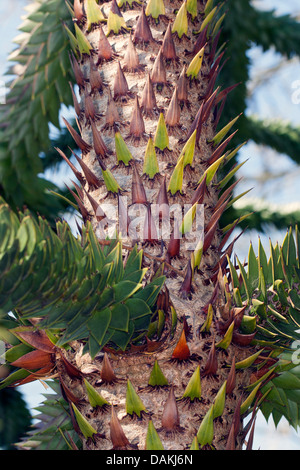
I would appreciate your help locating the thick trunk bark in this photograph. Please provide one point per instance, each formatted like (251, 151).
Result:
(114, 110)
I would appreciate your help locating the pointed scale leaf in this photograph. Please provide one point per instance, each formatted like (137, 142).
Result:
(181, 351)
(196, 64)
(180, 25)
(157, 378)
(193, 388)
(222, 133)
(115, 20)
(122, 151)
(133, 402)
(206, 325)
(198, 252)
(161, 138)
(150, 167)
(170, 417)
(72, 38)
(225, 342)
(84, 45)
(153, 441)
(94, 14)
(219, 401)
(211, 170)
(188, 219)
(248, 401)
(208, 18)
(189, 150)
(117, 435)
(95, 399)
(155, 8)
(85, 427)
(107, 374)
(176, 180)
(205, 432)
(191, 6)
(142, 31)
(208, 7)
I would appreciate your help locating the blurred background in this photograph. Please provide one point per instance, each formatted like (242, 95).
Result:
(272, 95)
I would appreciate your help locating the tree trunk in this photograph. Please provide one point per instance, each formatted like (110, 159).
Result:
(141, 88)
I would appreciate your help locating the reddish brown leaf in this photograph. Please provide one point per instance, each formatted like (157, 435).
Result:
(181, 351)
(142, 31)
(168, 46)
(117, 435)
(173, 112)
(138, 190)
(120, 83)
(137, 126)
(71, 370)
(182, 87)
(73, 167)
(158, 74)
(33, 360)
(230, 385)
(84, 147)
(38, 339)
(107, 373)
(170, 417)
(148, 100)
(105, 50)
(211, 365)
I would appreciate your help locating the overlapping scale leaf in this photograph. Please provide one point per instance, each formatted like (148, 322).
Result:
(269, 287)
(33, 101)
(71, 284)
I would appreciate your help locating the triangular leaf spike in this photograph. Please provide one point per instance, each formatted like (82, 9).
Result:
(181, 351)
(85, 427)
(219, 401)
(122, 151)
(157, 378)
(205, 432)
(133, 402)
(193, 388)
(95, 399)
(153, 441)
(222, 133)
(176, 181)
(189, 150)
(196, 64)
(94, 14)
(225, 342)
(180, 25)
(83, 44)
(161, 138)
(192, 8)
(115, 20)
(150, 167)
(155, 8)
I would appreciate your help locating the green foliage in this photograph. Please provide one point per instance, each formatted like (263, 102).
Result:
(270, 289)
(54, 428)
(38, 90)
(78, 290)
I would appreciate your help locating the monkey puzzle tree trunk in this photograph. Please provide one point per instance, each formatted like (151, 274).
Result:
(148, 120)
